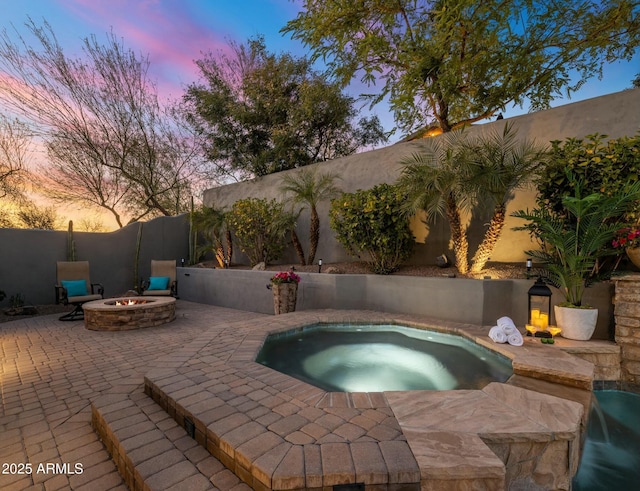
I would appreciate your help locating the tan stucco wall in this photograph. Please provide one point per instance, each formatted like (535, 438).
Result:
(614, 115)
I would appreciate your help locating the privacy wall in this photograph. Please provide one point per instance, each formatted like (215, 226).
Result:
(29, 257)
(614, 115)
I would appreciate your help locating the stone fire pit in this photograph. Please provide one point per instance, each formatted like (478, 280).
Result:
(123, 314)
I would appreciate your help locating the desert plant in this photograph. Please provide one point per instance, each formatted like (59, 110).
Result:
(71, 243)
(136, 259)
(211, 223)
(603, 166)
(370, 222)
(259, 227)
(193, 236)
(308, 188)
(460, 171)
(436, 183)
(16, 301)
(500, 164)
(575, 238)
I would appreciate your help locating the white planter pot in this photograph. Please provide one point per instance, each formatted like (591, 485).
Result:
(577, 324)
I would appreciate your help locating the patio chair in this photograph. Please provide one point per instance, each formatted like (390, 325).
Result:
(163, 280)
(73, 286)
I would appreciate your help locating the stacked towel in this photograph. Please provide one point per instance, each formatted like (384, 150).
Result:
(507, 325)
(515, 339)
(507, 330)
(497, 335)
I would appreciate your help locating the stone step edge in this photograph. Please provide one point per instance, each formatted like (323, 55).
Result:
(271, 472)
(143, 454)
(450, 459)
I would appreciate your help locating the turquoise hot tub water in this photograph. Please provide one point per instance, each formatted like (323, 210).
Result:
(611, 454)
(376, 358)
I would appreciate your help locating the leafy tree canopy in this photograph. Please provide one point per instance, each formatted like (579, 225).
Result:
(263, 113)
(461, 61)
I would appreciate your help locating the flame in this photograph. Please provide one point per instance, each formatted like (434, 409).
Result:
(129, 302)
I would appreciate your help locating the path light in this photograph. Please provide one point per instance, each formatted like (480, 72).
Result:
(539, 312)
(529, 265)
(319, 265)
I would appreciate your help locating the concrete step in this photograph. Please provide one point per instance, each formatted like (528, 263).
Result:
(151, 451)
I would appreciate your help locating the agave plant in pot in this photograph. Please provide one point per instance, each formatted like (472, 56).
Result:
(574, 243)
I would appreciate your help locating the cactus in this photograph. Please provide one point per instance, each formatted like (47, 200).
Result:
(193, 237)
(136, 260)
(71, 243)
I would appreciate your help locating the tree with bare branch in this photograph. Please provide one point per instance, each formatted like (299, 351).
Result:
(110, 142)
(15, 150)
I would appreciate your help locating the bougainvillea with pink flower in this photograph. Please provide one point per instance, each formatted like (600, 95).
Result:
(285, 277)
(627, 237)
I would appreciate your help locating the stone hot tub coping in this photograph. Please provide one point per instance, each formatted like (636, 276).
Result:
(147, 311)
(276, 432)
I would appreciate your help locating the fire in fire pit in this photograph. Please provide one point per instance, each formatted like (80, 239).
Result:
(121, 314)
(130, 301)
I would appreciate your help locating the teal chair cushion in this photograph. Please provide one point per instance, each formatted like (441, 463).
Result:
(75, 288)
(159, 283)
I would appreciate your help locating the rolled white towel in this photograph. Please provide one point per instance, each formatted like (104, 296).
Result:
(508, 330)
(515, 339)
(497, 335)
(507, 325)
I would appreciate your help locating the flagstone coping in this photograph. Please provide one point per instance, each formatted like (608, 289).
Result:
(276, 432)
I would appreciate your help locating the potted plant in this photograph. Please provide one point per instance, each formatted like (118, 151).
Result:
(284, 286)
(628, 239)
(574, 240)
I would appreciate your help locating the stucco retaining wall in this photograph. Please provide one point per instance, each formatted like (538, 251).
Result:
(478, 302)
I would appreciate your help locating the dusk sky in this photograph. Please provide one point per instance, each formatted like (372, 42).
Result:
(174, 33)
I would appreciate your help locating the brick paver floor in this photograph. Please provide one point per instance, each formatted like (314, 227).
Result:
(49, 373)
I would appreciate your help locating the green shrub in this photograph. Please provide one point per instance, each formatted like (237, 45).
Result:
(372, 222)
(259, 227)
(605, 167)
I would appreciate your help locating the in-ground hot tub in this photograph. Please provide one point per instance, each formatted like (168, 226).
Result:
(123, 314)
(379, 358)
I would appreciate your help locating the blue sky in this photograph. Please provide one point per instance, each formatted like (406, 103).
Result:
(174, 33)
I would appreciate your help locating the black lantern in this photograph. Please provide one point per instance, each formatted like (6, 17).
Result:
(539, 312)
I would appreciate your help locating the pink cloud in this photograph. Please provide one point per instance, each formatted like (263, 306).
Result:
(165, 31)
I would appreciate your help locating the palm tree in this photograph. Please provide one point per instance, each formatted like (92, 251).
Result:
(308, 188)
(211, 222)
(437, 184)
(499, 164)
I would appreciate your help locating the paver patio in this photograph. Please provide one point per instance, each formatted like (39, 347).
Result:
(49, 373)
(52, 371)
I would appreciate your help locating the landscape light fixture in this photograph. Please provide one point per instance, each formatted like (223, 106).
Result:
(319, 265)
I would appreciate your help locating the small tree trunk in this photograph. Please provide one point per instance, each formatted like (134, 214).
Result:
(314, 234)
(220, 255)
(229, 248)
(297, 246)
(460, 244)
(491, 236)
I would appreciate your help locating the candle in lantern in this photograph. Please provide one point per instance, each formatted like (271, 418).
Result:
(543, 320)
(535, 317)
